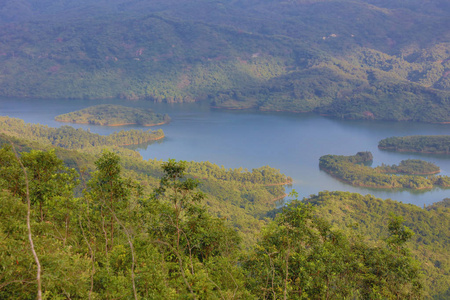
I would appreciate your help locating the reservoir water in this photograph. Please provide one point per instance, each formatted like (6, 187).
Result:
(291, 143)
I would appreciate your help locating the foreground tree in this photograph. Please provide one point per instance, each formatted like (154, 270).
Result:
(199, 248)
(37, 185)
(49, 180)
(165, 246)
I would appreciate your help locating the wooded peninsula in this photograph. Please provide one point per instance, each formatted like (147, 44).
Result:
(351, 169)
(114, 115)
(70, 138)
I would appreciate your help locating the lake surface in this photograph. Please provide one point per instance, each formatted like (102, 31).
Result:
(291, 143)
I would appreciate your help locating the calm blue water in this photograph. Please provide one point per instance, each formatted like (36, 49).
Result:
(291, 143)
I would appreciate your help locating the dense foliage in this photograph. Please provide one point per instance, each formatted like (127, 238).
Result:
(350, 170)
(368, 216)
(114, 242)
(118, 241)
(300, 256)
(114, 115)
(438, 144)
(353, 59)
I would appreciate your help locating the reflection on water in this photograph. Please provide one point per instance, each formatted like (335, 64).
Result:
(292, 143)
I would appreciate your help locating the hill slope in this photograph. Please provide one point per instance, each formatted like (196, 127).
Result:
(351, 59)
(429, 244)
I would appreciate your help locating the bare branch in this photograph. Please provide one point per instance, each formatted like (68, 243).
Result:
(180, 262)
(92, 259)
(130, 242)
(30, 236)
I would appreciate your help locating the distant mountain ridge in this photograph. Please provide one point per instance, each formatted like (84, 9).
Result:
(349, 59)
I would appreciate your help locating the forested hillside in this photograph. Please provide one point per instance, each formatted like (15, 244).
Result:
(351, 59)
(107, 224)
(84, 216)
(368, 216)
(131, 236)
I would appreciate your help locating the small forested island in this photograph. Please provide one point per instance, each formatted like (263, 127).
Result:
(351, 169)
(436, 144)
(114, 115)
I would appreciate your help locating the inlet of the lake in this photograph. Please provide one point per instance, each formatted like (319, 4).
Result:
(289, 142)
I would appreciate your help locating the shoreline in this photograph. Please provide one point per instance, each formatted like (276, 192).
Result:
(233, 108)
(412, 174)
(412, 151)
(113, 125)
(280, 197)
(261, 109)
(377, 187)
(281, 183)
(152, 140)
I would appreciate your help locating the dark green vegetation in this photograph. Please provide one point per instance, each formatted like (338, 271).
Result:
(106, 225)
(364, 59)
(437, 144)
(114, 115)
(120, 239)
(368, 216)
(351, 169)
(300, 256)
(237, 194)
(70, 138)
